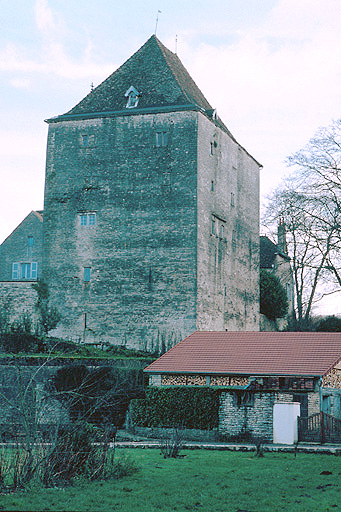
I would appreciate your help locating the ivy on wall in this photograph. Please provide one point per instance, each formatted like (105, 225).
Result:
(187, 407)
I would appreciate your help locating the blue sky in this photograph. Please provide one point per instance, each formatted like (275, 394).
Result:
(272, 68)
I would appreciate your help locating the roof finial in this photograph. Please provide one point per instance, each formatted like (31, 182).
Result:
(157, 20)
(176, 44)
(91, 86)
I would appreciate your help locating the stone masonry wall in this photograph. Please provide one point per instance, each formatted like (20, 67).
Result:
(141, 251)
(228, 233)
(18, 298)
(313, 403)
(256, 419)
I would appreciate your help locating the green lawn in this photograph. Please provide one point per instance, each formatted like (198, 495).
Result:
(207, 481)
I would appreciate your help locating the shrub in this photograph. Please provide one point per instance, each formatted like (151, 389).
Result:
(99, 395)
(273, 297)
(73, 454)
(172, 444)
(186, 407)
(329, 324)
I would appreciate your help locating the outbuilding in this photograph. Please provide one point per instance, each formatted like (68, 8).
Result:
(260, 374)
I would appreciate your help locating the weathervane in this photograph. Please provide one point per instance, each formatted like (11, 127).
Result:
(157, 20)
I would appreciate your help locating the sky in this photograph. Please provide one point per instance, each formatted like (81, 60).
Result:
(272, 68)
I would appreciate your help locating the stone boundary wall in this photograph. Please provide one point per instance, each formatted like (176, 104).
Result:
(18, 298)
(190, 434)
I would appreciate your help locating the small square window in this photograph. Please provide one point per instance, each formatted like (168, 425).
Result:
(161, 139)
(30, 241)
(85, 140)
(87, 274)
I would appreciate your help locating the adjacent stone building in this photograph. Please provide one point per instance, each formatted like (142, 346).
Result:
(274, 259)
(256, 371)
(151, 215)
(21, 256)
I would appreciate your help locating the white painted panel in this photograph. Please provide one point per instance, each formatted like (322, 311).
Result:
(285, 422)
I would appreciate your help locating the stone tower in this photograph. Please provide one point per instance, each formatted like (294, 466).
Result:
(151, 211)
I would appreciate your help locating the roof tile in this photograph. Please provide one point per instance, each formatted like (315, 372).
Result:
(252, 353)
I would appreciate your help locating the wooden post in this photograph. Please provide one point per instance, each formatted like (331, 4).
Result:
(322, 428)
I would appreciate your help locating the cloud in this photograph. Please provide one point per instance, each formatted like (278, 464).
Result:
(50, 54)
(21, 83)
(44, 17)
(274, 84)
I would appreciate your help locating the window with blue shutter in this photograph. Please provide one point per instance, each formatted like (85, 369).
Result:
(34, 270)
(15, 270)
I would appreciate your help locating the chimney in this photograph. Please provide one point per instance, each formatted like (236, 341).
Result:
(281, 237)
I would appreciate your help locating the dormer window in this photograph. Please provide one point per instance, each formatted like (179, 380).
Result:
(133, 97)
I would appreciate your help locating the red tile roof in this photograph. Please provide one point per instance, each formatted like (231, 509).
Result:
(252, 353)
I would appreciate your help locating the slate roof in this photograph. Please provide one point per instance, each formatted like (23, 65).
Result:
(268, 252)
(160, 78)
(156, 73)
(252, 353)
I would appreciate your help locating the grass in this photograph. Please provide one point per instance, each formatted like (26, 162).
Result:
(207, 481)
(61, 349)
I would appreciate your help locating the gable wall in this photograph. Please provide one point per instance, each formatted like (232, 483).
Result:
(15, 248)
(142, 251)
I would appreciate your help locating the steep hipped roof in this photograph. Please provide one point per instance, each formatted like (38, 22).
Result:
(156, 73)
(252, 353)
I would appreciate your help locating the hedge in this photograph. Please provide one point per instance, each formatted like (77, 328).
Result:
(188, 407)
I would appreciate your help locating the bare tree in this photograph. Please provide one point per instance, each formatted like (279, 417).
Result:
(309, 203)
(317, 171)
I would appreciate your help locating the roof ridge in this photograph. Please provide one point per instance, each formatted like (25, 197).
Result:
(175, 56)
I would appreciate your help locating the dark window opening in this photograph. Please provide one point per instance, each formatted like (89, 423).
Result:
(244, 398)
(87, 274)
